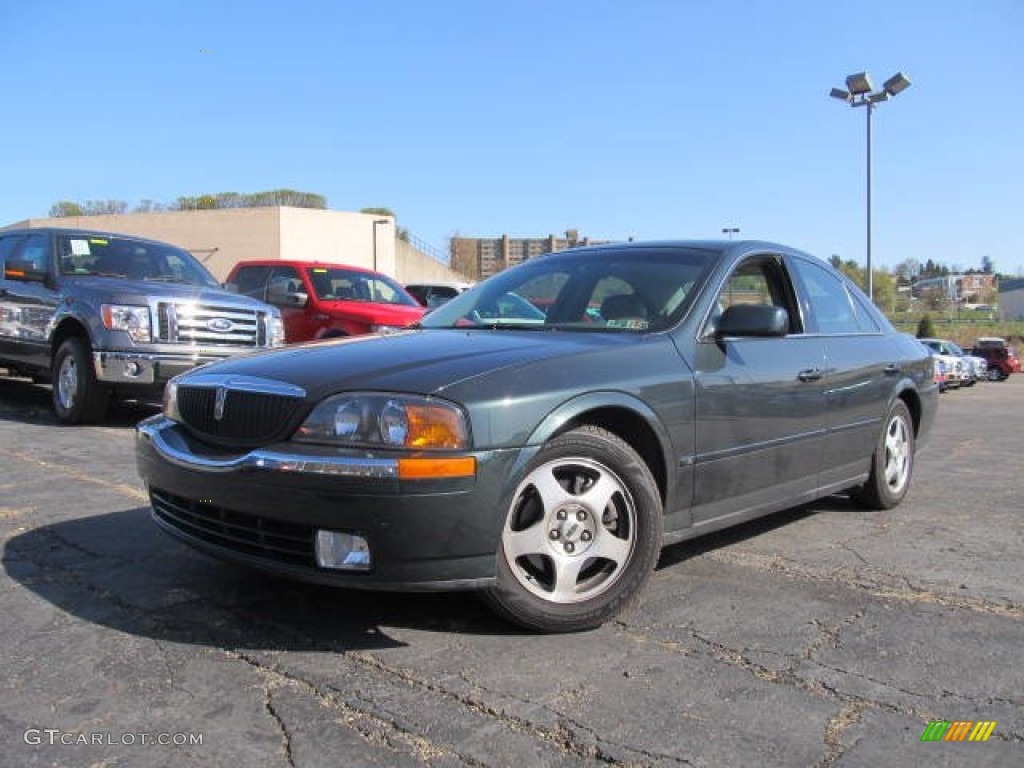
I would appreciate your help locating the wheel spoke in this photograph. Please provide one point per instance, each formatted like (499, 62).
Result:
(529, 541)
(552, 494)
(600, 494)
(610, 547)
(567, 574)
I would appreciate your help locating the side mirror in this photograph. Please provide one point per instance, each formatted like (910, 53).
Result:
(753, 320)
(26, 271)
(279, 295)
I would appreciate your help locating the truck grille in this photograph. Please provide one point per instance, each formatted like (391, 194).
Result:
(276, 540)
(245, 418)
(210, 325)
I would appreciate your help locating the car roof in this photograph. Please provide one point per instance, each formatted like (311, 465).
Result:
(86, 233)
(302, 263)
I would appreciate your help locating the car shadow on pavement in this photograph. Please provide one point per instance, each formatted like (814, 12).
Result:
(120, 571)
(23, 402)
(677, 553)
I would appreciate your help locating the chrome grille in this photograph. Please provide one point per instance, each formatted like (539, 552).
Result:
(209, 325)
(276, 540)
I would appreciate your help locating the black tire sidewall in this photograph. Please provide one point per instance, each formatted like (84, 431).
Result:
(528, 610)
(89, 402)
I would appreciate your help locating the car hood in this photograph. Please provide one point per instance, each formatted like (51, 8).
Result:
(125, 290)
(422, 361)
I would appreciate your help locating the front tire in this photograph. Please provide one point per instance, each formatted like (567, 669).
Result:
(581, 537)
(892, 463)
(77, 397)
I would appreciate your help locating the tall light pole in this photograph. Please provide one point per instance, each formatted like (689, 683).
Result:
(730, 231)
(861, 93)
(375, 223)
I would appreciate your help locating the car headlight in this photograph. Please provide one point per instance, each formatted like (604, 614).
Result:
(387, 421)
(131, 319)
(171, 400)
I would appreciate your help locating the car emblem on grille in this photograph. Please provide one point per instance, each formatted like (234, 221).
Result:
(220, 324)
(218, 403)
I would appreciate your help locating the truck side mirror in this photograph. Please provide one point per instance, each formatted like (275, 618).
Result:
(25, 271)
(279, 295)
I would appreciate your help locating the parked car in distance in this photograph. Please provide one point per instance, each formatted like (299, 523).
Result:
(953, 369)
(973, 368)
(1000, 357)
(319, 300)
(432, 295)
(100, 314)
(545, 464)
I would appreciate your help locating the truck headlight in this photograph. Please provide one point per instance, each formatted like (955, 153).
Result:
(387, 421)
(171, 400)
(275, 331)
(131, 319)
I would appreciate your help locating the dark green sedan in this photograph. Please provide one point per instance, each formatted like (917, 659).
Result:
(542, 436)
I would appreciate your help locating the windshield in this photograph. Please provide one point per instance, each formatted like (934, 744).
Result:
(105, 256)
(954, 349)
(627, 290)
(339, 284)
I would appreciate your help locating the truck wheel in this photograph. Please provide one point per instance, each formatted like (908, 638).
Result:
(582, 535)
(77, 397)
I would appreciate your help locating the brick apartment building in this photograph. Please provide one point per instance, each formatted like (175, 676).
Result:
(480, 257)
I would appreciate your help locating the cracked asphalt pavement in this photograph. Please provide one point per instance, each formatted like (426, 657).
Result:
(822, 636)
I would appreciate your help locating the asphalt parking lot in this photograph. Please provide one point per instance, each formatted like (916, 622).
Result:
(822, 636)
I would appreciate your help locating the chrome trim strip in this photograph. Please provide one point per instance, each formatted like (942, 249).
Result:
(244, 384)
(160, 433)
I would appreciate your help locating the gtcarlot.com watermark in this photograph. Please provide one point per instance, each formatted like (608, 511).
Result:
(56, 737)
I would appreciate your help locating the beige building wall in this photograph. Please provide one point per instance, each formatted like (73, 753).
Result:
(414, 266)
(339, 237)
(222, 238)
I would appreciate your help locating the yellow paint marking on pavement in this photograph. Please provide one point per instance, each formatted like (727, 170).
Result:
(9, 513)
(127, 490)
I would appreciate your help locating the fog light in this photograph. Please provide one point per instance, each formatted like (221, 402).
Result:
(342, 551)
(132, 369)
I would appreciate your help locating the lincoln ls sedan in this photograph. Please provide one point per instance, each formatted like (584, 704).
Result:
(542, 436)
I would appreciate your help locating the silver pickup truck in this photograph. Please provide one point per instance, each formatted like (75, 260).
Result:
(102, 315)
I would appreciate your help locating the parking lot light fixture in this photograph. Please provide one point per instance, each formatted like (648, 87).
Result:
(861, 93)
(730, 231)
(376, 223)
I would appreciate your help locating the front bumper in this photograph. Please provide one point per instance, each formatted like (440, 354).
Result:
(143, 368)
(263, 507)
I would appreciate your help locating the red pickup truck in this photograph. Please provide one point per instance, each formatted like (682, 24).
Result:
(1001, 358)
(321, 301)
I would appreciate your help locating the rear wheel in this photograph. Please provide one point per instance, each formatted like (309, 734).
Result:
(581, 537)
(994, 374)
(892, 463)
(77, 397)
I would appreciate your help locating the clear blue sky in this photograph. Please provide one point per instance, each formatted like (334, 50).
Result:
(648, 118)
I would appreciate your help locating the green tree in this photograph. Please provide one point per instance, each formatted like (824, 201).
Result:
(379, 212)
(925, 328)
(885, 290)
(63, 208)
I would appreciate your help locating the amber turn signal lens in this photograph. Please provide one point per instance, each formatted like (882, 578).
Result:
(426, 468)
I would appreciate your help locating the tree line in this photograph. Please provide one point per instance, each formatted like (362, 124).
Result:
(206, 202)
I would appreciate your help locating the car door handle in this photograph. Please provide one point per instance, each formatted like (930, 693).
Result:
(891, 368)
(811, 374)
